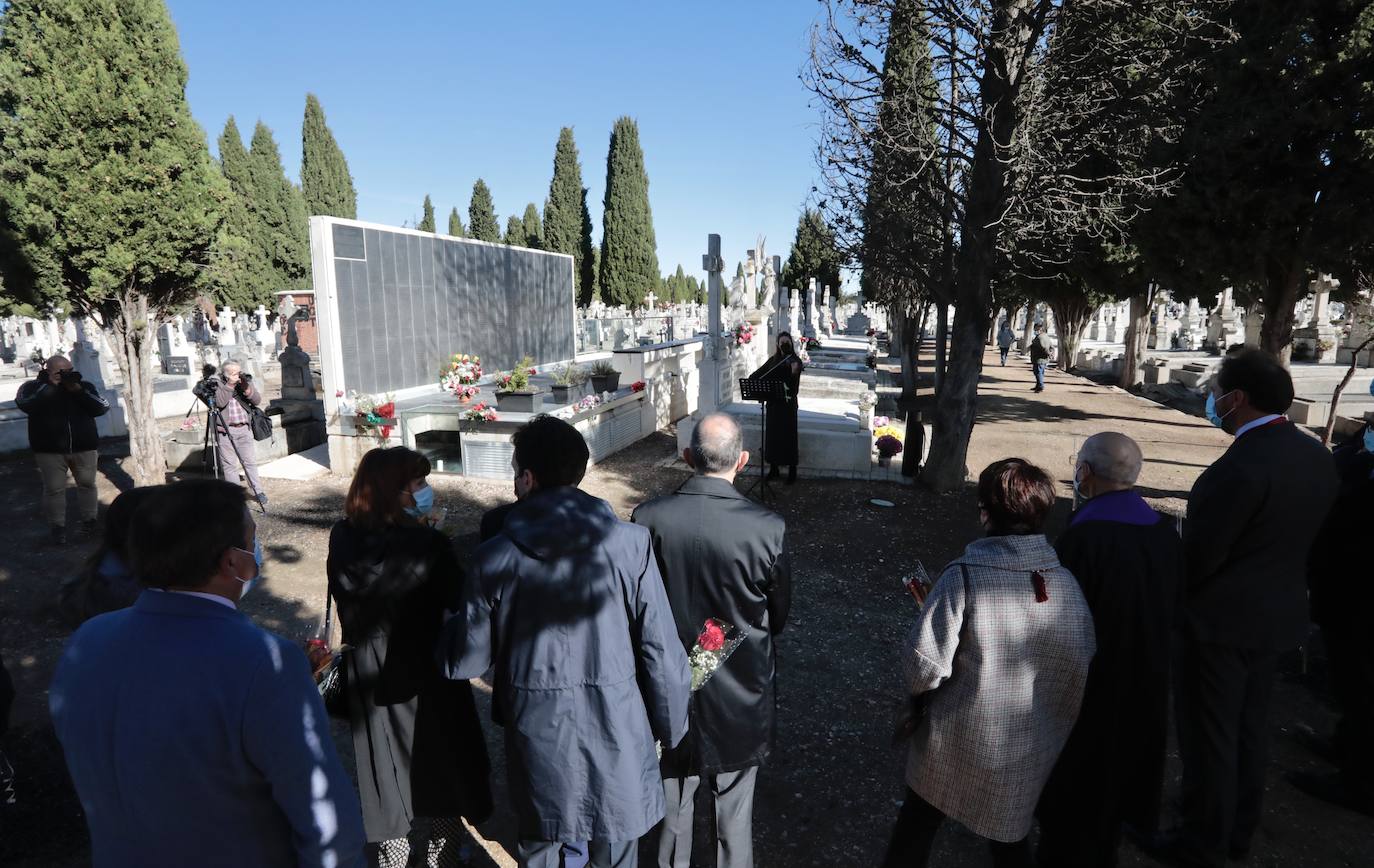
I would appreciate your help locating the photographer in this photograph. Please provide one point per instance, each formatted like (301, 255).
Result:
(234, 393)
(62, 408)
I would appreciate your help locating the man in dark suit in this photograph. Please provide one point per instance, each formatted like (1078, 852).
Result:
(1128, 559)
(722, 556)
(193, 736)
(1252, 517)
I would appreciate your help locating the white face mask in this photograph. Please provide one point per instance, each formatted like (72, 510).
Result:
(257, 571)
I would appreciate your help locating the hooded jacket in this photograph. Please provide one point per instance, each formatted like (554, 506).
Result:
(61, 422)
(568, 605)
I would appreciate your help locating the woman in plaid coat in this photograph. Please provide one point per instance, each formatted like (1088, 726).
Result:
(997, 662)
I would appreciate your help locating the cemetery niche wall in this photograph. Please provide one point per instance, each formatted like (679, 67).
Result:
(394, 305)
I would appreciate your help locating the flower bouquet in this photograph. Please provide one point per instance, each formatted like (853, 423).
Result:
(714, 645)
(461, 376)
(479, 413)
(888, 446)
(742, 334)
(373, 415)
(637, 386)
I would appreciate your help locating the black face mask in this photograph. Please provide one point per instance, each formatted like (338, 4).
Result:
(785, 347)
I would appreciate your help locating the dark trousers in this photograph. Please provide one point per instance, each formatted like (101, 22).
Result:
(912, 837)
(733, 796)
(1352, 681)
(1004, 351)
(1223, 696)
(599, 854)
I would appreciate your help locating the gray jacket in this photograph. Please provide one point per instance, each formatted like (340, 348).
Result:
(1005, 675)
(567, 603)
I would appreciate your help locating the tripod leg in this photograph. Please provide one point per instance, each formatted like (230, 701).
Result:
(218, 422)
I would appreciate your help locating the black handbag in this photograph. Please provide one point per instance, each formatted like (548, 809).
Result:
(257, 420)
(330, 666)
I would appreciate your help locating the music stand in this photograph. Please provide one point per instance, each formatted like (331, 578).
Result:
(763, 391)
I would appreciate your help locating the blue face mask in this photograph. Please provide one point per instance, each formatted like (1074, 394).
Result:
(257, 574)
(424, 502)
(1369, 440)
(1211, 410)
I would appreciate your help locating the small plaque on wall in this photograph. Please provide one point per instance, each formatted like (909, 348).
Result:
(176, 365)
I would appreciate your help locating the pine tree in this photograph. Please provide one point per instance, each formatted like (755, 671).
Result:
(112, 206)
(629, 253)
(325, 182)
(533, 232)
(244, 277)
(567, 223)
(515, 232)
(427, 221)
(455, 224)
(281, 207)
(482, 223)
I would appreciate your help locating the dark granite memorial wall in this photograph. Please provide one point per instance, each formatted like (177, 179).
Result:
(407, 302)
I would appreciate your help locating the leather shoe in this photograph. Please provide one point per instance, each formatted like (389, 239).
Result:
(1331, 787)
(1172, 848)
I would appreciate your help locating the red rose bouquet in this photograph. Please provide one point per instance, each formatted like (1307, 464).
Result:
(716, 642)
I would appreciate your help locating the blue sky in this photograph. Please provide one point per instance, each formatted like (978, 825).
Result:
(425, 97)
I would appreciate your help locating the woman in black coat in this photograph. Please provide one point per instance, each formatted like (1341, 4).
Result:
(421, 757)
(781, 413)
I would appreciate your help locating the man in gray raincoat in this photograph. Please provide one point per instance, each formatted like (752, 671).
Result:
(567, 603)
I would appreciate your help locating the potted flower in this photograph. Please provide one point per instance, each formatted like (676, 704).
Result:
(568, 381)
(888, 446)
(605, 378)
(478, 414)
(460, 376)
(513, 390)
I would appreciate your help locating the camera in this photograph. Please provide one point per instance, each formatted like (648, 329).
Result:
(207, 387)
(66, 377)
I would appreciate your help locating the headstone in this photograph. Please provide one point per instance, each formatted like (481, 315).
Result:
(1318, 338)
(1254, 321)
(297, 384)
(227, 337)
(710, 397)
(809, 305)
(1361, 325)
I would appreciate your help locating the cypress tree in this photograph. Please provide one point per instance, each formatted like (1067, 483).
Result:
(482, 223)
(112, 206)
(427, 221)
(588, 258)
(244, 277)
(515, 232)
(567, 223)
(325, 182)
(813, 254)
(455, 224)
(281, 208)
(532, 231)
(629, 252)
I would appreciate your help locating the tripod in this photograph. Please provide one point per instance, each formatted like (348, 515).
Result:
(761, 390)
(214, 421)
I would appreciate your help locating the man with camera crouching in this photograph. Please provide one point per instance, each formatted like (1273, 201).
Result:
(234, 394)
(62, 409)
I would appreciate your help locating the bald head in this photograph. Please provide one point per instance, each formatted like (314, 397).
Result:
(58, 363)
(1112, 462)
(717, 446)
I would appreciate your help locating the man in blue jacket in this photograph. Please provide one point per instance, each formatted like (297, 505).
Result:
(193, 736)
(567, 603)
(62, 409)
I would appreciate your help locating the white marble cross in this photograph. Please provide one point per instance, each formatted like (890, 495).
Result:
(261, 314)
(650, 300)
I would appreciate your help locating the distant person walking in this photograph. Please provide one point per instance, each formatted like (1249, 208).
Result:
(996, 663)
(1128, 559)
(62, 409)
(1252, 517)
(1039, 356)
(193, 736)
(722, 556)
(567, 604)
(422, 758)
(1005, 338)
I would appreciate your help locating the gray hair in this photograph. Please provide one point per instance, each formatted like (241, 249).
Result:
(716, 444)
(1113, 457)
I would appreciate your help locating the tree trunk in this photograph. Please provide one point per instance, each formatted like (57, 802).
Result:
(906, 349)
(941, 345)
(1281, 292)
(131, 336)
(1071, 316)
(1137, 335)
(1340, 387)
(1028, 330)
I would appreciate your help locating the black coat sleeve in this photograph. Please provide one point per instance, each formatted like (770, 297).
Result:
(780, 591)
(1220, 508)
(38, 397)
(90, 400)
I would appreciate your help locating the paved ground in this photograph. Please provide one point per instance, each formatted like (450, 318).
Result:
(829, 794)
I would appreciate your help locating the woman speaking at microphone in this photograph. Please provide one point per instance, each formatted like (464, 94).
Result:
(781, 445)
